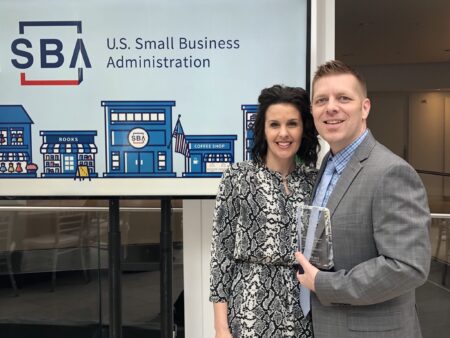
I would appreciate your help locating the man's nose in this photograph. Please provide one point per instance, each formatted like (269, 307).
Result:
(331, 105)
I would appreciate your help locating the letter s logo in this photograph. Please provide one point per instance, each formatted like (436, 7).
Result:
(17, 51)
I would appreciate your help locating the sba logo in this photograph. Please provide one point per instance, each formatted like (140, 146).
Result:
(51, 55)
(138, 138)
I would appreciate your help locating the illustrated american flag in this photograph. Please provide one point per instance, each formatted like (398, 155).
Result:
(181, 145)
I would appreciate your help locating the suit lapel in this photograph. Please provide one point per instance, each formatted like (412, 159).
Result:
(344, 182)
(350, 172)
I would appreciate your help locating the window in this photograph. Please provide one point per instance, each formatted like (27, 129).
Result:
(3, 137)
(115, 160)
(161, 160)
(17, 136)
(69, 163)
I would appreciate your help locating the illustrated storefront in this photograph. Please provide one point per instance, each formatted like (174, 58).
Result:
(15, 143)
(210, 155)
(138, 135)
(249, 111)
(66, 153)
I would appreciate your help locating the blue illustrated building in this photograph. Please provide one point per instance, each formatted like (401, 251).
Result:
(249, 111)
(64, 152)
(15, 143)
(138, 138)
(210, 155)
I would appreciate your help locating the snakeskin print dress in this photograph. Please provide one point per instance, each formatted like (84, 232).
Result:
(252, 253)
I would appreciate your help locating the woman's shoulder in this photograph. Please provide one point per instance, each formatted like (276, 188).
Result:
(236, 174)
(242, 167)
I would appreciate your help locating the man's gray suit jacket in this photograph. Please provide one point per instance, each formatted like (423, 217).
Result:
(380, 227)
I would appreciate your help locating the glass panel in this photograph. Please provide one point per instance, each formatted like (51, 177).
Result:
(51, 263)
(141, 267)
(54, 256)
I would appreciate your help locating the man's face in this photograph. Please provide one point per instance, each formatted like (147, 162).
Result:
(340, 110)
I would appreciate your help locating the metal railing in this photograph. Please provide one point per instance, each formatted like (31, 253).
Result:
(89, 209)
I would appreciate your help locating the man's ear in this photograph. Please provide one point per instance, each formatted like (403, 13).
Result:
(365, 108)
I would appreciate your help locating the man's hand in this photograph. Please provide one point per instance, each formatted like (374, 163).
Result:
(307, 279)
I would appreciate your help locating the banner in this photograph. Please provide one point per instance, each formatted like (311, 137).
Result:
(137, 98)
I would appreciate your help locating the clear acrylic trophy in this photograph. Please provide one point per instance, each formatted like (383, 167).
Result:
(318, 247)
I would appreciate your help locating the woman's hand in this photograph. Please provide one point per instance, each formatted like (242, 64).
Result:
(223, 333)
(221, 320)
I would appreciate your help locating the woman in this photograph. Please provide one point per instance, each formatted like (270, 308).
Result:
(253, 284)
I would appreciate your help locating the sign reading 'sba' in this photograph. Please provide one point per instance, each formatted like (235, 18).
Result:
(157, 98)
(50, 53)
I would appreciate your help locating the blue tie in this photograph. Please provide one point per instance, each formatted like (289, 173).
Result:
(305, 301)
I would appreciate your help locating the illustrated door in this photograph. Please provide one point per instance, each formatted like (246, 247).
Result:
(69, 164)
(196, 163)
(139, 162)
(146, 162)
(132, 162)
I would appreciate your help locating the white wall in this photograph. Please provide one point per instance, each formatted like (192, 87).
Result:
(426, 139)
(322, 44)
(387, 120)
(427, 88)
(416, 126)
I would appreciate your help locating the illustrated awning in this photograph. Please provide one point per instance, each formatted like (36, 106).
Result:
(68, 148)
(217, 157)
(14, 156)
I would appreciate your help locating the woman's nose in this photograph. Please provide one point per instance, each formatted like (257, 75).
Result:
(283, 130)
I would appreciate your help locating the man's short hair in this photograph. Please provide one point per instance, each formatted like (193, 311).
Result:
(336, 67)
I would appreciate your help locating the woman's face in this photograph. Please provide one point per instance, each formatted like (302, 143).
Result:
(283, 129)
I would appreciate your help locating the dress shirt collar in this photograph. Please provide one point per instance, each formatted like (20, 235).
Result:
(341, 159)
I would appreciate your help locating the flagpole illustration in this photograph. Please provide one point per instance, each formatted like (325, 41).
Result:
(181, 145)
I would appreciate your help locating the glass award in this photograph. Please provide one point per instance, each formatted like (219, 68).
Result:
(318, 245)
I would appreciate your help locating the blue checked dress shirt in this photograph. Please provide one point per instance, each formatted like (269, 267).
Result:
(333, 170)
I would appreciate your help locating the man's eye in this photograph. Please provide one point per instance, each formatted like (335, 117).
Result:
(320, 101)
(344, 98)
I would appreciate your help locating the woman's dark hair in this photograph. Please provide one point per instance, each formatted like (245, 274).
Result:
(299, 98)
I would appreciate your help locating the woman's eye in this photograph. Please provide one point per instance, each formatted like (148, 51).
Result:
(274, 125)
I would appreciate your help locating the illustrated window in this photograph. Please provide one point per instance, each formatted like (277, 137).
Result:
(3, 137)
(161, 160)
(17, 136)
(115, 160)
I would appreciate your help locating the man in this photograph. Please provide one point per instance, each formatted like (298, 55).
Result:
(379, 220)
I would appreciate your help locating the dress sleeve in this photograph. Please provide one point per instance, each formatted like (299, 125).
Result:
(223, 237)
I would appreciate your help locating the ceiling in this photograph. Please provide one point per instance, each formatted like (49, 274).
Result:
(377, 32)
